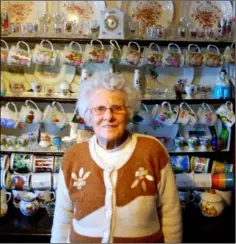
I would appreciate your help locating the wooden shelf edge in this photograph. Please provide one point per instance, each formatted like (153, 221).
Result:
(145, 101)
(81, 40)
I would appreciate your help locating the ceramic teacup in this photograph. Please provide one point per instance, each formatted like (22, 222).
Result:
(206, 116)
(5, 196)
(10, 143)
(143, 117)
(16, 197)
(36, 87)
(30, 115)
(204, 143)
(17, 89)
(44, 196)
(44, 140)
(192, 116)
(8, 117)
(164, 115)
(192, 143)
(22, 143)
(179, 142)
(226, 114)
(5, 163)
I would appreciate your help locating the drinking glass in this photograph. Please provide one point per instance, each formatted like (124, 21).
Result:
(133, 28)
(142, 29)
(58, 19)
(94, 28)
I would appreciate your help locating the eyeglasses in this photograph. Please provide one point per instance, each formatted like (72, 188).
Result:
(115, 109)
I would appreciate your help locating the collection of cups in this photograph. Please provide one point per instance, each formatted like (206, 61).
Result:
(30, 191)
(30, 113)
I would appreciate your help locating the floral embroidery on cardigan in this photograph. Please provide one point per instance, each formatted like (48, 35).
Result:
(80, 181)
(141, 174)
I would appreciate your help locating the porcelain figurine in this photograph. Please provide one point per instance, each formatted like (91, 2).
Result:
(222, 88)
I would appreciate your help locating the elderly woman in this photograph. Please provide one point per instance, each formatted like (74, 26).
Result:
(117, 186)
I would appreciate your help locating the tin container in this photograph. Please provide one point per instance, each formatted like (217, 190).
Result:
(199, 164)
(180, 163)
(222, 181)
(220, 167)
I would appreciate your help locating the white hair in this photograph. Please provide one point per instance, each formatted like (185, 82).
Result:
(111, 82)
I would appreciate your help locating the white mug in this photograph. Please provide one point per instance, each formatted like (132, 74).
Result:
(192, 116)
(30, 115)
(206, 116)
(163, 115)
(226, 114)
(41, 181)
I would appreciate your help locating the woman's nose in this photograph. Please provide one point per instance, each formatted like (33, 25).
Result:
(108, 115)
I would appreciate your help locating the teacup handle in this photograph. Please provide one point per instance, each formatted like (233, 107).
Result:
(7, 47)
(184, 103)
(9, 196)
(53, 194)
(173, 44)
(166, 103)
(30, 101)
(76, 43)
(216, 48)
(92, 41)
(13, 104)
(41, 44)
(154, 44)
(206, 106)
(59, 105)
(233, 44)
(18, 45)
(116, 44)
(194, 45)
(229, 105)
(135, 43)
(145, 107)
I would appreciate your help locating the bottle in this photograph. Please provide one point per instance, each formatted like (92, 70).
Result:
(4, 23)
(136, 81)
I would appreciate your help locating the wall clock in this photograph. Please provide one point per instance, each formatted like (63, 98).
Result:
(112, 24)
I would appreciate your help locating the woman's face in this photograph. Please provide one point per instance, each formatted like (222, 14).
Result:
(108, 126)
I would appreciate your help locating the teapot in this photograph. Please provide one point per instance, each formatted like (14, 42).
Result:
(28, 204)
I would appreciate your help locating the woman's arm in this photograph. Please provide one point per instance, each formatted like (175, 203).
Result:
(169, 210)
(63, 213)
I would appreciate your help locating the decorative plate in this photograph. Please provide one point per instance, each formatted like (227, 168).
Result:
(206, 14)
(50, 75)
(150, 12)
(167, 76)
(78, 10)
(23, 11)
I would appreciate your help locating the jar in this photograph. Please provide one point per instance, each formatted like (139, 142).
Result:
(211, 204)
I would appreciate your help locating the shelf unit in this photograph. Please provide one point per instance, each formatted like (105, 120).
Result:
(142, 42)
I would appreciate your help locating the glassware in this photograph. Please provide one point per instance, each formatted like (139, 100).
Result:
(94, 28)
(58, 22)
(44, 23)
(193, 33)
(182, 34)
(209, 34)
(141, 30)
(133, 29)
(200, 33)
(159, 32)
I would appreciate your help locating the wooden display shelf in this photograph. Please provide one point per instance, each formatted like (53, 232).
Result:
(181, 43)
(60, 153)
(43, 99)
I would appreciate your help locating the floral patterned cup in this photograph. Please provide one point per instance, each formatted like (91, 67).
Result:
(19, 56)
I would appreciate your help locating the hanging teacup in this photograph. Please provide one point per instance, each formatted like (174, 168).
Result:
(194, 58)
(4, 52)
(19, 56)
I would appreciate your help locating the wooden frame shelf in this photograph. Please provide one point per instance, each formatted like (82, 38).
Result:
(145, 101)
(181, 43)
